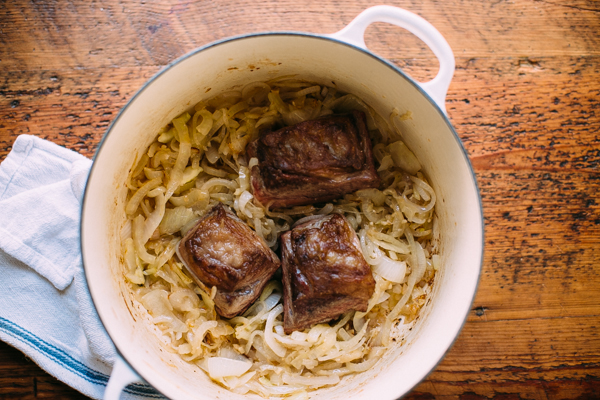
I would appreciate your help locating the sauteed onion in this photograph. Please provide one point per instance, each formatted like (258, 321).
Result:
(197, 161)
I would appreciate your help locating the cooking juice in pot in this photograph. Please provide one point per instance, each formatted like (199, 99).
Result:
(205, 160)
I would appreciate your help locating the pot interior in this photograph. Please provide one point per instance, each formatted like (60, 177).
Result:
(232, 64)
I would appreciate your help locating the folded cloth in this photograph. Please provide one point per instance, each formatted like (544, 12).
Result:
(45, 307)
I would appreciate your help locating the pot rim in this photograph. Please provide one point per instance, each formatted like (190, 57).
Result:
(227, 40)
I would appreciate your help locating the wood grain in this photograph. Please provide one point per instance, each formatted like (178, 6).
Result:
(525, 101)
(20, 379)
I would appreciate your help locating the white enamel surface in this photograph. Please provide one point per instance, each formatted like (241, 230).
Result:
(354, 34)
(121, 376)
(233, 64)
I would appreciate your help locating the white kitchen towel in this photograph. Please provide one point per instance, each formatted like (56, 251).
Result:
(45, 307)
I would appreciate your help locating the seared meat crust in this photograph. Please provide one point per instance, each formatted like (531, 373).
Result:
(324, 273)
(222, 251)
(313, 161)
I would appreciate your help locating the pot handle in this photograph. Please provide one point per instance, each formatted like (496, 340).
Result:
(121, 376)
(354, 33)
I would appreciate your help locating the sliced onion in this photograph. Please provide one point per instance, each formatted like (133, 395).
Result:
(140, 166)
(234, 382)
(125, 232)
(233, 110)
(154, 218)
(218, 182)
(266, 121)
(374, 356)
(326, 210)
(219, 367)
(184, 349)
(368, 210)
(155, 192)
(192, 222)
(376, 196)
(312, 381)
(279, 330)
(419, 265)
(413, 212)
(137, 197)
(404, 158)
(348, 345)
(349, 103)
(268, 390)
(243, 179)
(436, 261)
(204, 127)
(212, 154)
(423, 186)
(167, 275)
(226, 99)
(422, 193)
(370, 251)
(164, 256)
(384, 296)
(387, 242)
(137, 234)
(167, 136)
(270, 341)
(190, 173)
(296, 116)
(272, 301)
(421, 262)
(306, 219)
(303, 92)
(201, 331)
(183, 156)
(297, 335)
(195, 197)
(393, 271)
(160, 308)
(253, 161)
(255, 92)
(277, 103)
(229, 352)
(289, 341)
(300, 395)
(184, 300)
(343, 334)
(153, 174)
(134, 273)
(245, 197)
(174, 219)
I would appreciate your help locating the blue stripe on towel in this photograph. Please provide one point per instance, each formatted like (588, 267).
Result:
(68, 362)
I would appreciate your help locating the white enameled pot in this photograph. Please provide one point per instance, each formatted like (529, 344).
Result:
(340, 59)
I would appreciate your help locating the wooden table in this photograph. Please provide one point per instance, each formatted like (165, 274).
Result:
(525, 100)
